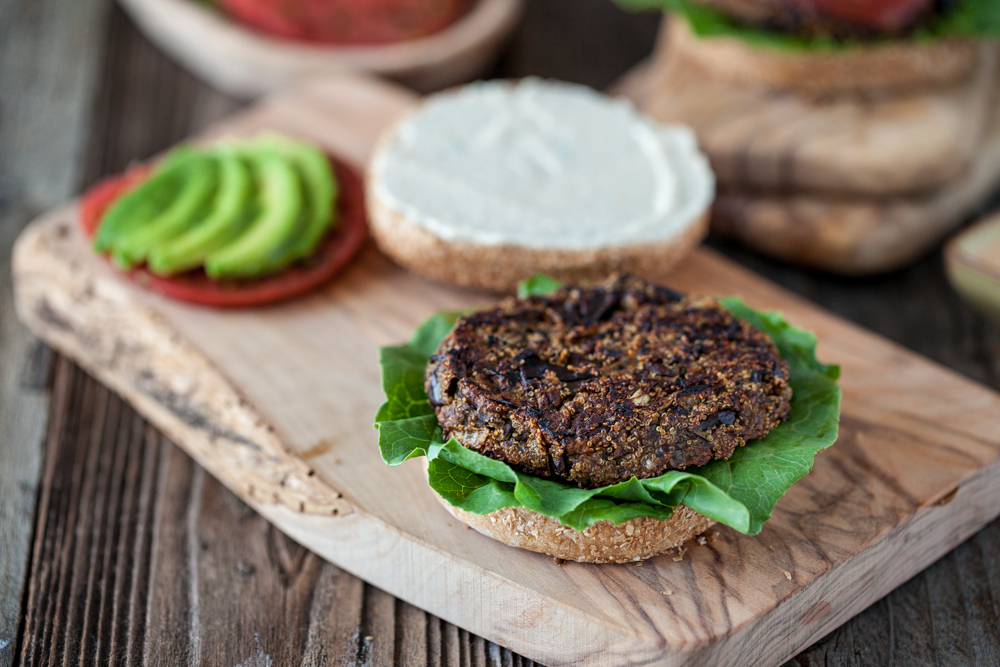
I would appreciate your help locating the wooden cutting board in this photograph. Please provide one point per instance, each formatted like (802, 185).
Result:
(278, 402)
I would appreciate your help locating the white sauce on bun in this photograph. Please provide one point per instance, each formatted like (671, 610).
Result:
(541, 164)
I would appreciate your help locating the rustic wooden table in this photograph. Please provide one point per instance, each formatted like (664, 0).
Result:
(116, 548)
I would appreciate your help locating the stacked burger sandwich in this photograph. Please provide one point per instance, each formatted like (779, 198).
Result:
(845, 135)
(595, 417)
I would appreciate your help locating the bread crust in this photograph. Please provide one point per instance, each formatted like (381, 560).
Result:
(890, 67)
(499, 268)
(603, 542)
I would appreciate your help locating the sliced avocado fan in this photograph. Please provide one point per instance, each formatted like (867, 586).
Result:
(147, 201)
(268, 243)
(319, 188)
(240, 209)
(232, 209)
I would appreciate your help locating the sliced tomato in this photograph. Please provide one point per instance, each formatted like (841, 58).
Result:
(881, 14)
(333, 254)
(347, 21)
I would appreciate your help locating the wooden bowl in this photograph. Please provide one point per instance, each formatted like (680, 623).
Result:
(245, 63)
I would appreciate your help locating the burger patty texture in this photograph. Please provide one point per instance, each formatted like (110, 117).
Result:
(597, 384)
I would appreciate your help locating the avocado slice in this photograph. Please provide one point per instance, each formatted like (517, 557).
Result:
(267, 244)
(232, 209)
(190, 206)
(320, 188)
(145, 202)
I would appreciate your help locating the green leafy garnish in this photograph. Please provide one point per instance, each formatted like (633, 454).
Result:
(973, 18)
(976, 19)
(740, 492)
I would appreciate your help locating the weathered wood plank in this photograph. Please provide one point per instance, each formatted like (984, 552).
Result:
(141, 586)
(917, 308)
(149, 349)
(914, 307)
(174, 610)
(142, 558)
(48, 55)
(145, 103)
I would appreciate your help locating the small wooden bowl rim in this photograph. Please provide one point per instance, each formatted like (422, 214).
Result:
(241, 61)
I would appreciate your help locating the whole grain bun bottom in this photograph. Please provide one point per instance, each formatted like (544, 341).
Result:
(603, 542)
(500, 268)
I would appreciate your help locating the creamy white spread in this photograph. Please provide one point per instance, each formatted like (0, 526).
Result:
(541, 164)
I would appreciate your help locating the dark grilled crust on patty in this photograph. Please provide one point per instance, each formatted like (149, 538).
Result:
(597, 384)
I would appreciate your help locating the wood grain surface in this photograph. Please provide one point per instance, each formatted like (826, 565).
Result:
(47, 73)
(908, 479)
(946, 615)
(144, 569)
(277, 403)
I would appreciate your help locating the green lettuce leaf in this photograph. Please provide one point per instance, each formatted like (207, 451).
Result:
(977, 19)
(540, 284)
(740, 492)
(973, 18)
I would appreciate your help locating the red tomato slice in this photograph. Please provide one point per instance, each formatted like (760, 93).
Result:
(333, 254)
(882, 14)
(347, 21)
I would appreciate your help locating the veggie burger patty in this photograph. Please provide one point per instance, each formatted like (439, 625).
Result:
(597, 384)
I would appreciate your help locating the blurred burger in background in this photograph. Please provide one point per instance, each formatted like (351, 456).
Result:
(846, 135)
(826, 47)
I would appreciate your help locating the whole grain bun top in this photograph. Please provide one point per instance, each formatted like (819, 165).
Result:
(538, 166)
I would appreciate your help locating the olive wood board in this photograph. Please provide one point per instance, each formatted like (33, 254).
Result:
(241, 61)
(277, 402)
